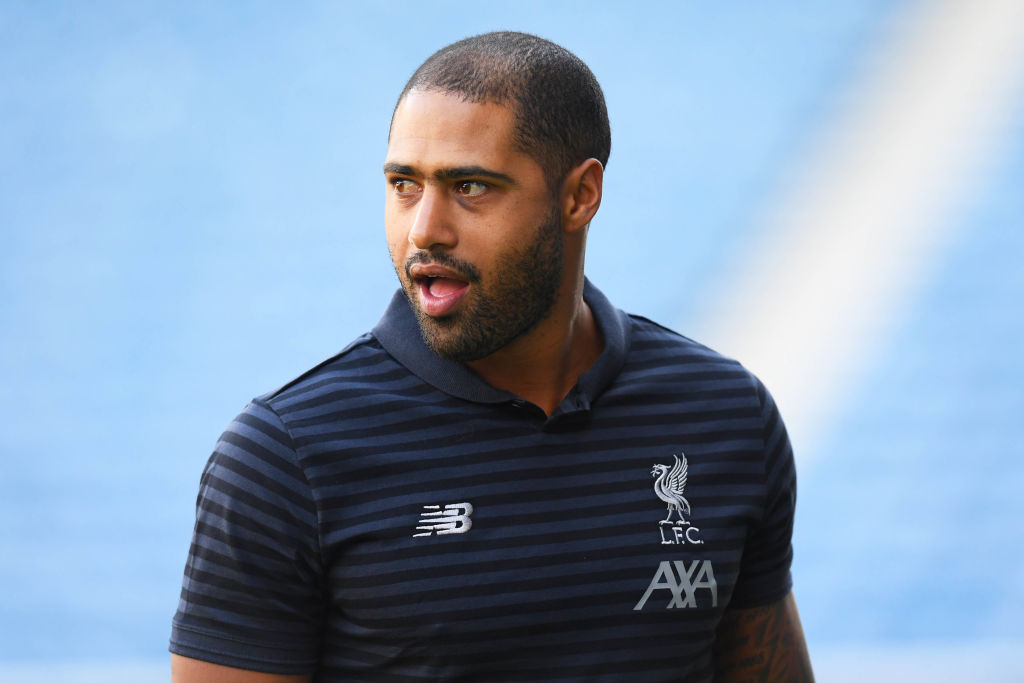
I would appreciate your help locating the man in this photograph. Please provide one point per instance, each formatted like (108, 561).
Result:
(478, 488)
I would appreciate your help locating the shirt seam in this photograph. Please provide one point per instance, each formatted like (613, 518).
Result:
(305, 478)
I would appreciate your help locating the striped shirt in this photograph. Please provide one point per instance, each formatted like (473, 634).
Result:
(389, 516)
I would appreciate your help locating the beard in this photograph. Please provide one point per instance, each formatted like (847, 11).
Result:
(502, 305)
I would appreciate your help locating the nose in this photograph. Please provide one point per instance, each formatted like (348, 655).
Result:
(431, 226)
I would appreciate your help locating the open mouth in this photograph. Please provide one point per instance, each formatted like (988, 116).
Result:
(440, 294)
(441, 287)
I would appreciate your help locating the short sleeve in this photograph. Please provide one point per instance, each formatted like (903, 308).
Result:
(764, 575)
(252, 594)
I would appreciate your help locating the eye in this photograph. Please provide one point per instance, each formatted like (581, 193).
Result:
(471, 188)
(403, 186)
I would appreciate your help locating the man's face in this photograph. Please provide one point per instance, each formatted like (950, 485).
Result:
(474, 233)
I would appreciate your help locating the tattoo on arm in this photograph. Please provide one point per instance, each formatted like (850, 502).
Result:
(762, 644)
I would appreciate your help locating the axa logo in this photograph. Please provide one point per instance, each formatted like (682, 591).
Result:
(683, 581)
(454, 518)
(669, 485)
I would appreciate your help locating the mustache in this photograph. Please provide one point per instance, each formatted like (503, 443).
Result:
(465, 270)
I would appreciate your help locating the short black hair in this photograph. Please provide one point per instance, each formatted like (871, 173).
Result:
(561, 117)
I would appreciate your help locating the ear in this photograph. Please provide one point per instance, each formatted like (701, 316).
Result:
(581, 195)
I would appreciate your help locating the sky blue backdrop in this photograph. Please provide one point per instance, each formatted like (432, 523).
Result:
(190, 206)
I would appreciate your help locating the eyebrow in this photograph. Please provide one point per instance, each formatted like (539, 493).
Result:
(455, 173)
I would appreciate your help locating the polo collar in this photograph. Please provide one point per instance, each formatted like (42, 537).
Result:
(399, 333)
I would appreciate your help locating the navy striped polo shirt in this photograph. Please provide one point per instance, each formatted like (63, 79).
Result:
(389, 516)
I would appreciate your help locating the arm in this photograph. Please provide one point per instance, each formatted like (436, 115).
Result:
(762, 644)
(251, 594)
(188, 670)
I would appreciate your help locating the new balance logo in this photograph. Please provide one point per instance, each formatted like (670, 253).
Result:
(683, 583)
(453, 519)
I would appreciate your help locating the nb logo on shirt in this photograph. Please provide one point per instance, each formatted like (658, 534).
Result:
(453, 519)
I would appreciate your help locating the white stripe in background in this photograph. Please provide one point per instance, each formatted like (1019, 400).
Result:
(839, 253)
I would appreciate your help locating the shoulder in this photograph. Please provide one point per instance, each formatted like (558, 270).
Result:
(671, 366)
(267, 424)
(655, 346)
(343, 401)
(648, 334)
(261, 452)
(362, 362)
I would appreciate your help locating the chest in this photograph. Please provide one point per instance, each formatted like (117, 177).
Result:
(492, 540)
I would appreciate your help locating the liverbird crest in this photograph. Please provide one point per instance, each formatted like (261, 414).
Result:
(669, 483)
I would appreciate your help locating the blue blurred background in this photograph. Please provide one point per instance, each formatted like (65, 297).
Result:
(191, 215)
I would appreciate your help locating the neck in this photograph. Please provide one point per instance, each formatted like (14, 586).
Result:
(543, 365)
